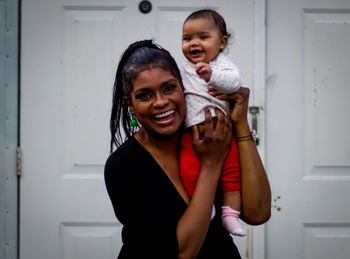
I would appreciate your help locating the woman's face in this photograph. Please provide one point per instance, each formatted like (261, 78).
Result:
(157, 100)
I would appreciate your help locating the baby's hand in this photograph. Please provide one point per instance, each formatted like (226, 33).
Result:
(203, 70)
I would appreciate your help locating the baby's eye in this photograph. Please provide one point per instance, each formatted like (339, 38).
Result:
(203, 37)
(186, 38)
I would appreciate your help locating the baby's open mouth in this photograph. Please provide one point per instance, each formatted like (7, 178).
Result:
(194, 52)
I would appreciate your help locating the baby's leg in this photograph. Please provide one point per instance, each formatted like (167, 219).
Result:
(189, 166)
(231, 211)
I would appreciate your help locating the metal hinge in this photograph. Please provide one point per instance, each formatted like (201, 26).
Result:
(254, 111)
(19, 162)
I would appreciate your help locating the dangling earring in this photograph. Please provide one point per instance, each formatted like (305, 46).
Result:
(133, 122)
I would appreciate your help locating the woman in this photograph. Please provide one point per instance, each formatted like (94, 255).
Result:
(142, 175)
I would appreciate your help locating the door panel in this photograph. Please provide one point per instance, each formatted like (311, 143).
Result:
(70, 51)
(308, 160)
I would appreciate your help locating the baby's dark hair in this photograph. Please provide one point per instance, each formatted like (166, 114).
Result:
(211, 14)
(138, 57)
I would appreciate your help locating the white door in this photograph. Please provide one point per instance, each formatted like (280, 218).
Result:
(70, 50)
(308, 125)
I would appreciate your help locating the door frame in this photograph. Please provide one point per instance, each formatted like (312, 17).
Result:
(9, 99)
(258, 98)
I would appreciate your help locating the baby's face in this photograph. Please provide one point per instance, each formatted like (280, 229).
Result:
(202, 40)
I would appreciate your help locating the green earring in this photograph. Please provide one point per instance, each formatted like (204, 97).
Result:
(133, 123)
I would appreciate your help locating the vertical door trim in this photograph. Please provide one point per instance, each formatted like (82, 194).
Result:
(9, 133)
(258, 99)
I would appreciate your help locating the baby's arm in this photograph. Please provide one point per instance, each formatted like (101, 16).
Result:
(225, 77)
(204, 71)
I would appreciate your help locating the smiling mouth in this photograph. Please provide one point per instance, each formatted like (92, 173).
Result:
(164, 115)
(195, 52)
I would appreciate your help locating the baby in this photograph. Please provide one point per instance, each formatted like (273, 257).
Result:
(204, 38)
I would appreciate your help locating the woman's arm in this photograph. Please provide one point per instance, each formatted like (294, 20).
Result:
(256, 193)
(212, 150)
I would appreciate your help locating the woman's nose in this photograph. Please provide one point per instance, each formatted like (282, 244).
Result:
(160, 101)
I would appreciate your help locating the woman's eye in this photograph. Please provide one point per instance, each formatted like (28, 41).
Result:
(169, 89)
(143, 96)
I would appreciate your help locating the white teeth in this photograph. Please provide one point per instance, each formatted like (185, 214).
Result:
(165, 114)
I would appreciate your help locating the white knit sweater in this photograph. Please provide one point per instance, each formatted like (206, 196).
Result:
(225, 78)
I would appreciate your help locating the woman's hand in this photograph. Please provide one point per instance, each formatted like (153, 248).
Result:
(239, 105)
(216, 93)
(238, 108)
(212, 140)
